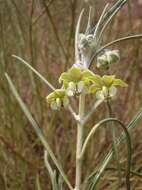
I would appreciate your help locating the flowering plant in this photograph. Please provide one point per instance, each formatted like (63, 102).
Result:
(77, 82)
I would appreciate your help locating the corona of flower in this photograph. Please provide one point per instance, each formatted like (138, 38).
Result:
(76, 80)
(105, 87)
(57, 99)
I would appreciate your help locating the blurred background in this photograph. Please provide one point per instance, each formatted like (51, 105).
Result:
(42, 33)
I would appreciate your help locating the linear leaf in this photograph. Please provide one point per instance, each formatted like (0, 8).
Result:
(35, 71)
(109, 156)
(37, 130)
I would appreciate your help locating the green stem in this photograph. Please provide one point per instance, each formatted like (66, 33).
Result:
(80, 130)
(114, 146)
(133, 37)
(138, 36)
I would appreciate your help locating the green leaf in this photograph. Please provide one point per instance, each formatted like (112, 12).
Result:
(37, 130)
(89, 22)
(109, 156)
(119, 82)
(111, 11)
(52, 173)
(77, 33)
(35, 71)
(128, 141)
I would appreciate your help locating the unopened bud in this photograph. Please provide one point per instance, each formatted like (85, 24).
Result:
(115, 56)
(102, 62)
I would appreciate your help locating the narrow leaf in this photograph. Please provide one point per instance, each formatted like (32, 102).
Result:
(37, 130)
(35, 71)
(109, 156)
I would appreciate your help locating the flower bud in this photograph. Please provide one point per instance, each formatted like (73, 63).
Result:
(109, 57)
(90, 39)
(113, 56)
(82, 41)
(102, 62)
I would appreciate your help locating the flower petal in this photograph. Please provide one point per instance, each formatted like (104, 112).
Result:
(112, 91)
(108, 80)
(64, 77)
(100, 95)
(80, 86)
(119, 82)
(94, 89)
(65, 102)
(54, 105)
(70, 92)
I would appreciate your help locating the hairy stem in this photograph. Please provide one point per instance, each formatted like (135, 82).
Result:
(79, 143)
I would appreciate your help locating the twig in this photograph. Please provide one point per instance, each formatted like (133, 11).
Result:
(54, 29)
(42, 13)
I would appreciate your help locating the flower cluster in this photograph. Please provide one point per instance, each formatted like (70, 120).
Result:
(105, 87)
(109, 57)
(58, 99)
(76, 81)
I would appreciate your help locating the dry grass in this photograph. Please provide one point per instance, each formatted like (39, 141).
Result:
(43, 34)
